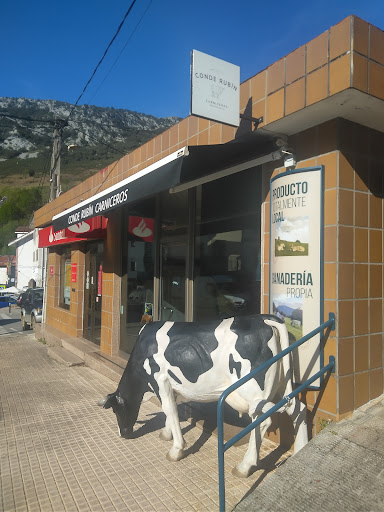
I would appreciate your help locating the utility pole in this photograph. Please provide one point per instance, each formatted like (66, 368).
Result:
(55, 187)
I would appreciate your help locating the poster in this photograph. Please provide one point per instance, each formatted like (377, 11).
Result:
(73, 272)
(67, 282)
(296, 261)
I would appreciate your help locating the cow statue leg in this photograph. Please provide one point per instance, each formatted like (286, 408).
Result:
(172, 424)
(252, 455)
(296, 410)
(298, 413)
(166, 433)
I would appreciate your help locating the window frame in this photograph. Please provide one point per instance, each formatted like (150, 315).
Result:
(65, 256)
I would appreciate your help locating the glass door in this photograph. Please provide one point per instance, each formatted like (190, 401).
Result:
(93, 293)
(172, 282)
(137, 277)
(137, 292)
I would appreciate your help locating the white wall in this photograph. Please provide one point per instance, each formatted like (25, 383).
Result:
(29, 260)
(3, 275)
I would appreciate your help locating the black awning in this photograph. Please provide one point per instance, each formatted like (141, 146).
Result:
(150, 181)
(205, 160)
(181, 167)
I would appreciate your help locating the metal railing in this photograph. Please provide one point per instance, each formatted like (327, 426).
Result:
(223, 447)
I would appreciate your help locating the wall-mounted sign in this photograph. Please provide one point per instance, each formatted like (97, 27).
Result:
(296, 261)
(91, 228)
(141, 227)
(215, 89)
(73, 272)
(48, 237)
(51, 270)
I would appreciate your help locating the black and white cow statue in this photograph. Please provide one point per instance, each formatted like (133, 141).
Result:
(199, 361)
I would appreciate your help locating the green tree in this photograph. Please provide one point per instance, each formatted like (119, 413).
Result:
(20, 203)
(16, 210)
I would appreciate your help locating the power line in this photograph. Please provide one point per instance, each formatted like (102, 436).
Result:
(45, 170)
(98, 140)
(15, 119)
(105, 53)
(124, 47)
(20, 118)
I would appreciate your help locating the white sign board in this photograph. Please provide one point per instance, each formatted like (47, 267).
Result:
(296, 262)
(215, 89)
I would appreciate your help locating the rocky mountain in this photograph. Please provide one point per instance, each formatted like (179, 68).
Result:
(93, 138)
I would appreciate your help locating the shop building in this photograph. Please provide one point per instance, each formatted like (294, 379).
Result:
(188, 216)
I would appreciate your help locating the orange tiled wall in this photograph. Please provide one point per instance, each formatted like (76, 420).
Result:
(353, 259)
(110, 316)
(350, 54)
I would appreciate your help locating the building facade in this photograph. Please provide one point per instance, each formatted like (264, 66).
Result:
(29, 258)
(193, 242)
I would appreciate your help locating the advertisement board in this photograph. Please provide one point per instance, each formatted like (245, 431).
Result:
(215, 89)
(296, 261)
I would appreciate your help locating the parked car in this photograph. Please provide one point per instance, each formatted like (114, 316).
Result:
(4, 302)
(32, 308)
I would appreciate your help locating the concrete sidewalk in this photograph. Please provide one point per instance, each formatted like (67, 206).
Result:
(59, 451)
(341, 469)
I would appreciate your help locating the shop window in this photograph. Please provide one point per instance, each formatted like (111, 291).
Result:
(227, 269)
(65, 280)
(138, 261)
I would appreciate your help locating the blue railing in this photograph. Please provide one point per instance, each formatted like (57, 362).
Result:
(223, 447)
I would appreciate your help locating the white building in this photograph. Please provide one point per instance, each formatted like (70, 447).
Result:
(29, 258)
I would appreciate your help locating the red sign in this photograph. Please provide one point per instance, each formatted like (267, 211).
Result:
(73, 272)
(48, 237)
(51, 270)
(141, 227)
(92, 228)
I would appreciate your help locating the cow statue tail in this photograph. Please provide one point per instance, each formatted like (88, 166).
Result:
(282, 330)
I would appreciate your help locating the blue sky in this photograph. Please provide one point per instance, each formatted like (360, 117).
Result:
(50, 49)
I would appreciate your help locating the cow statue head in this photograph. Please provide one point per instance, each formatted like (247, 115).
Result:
(126, 412)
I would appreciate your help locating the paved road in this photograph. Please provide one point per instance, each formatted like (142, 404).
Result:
(10, 321)
(60, 452)
(341, 469)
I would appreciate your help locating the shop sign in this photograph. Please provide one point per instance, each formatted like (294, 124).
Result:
(296, 261)
(73, 272)
(100, 204)
(215, 89)
(141, 227)
(48, 237)
(92, 228)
